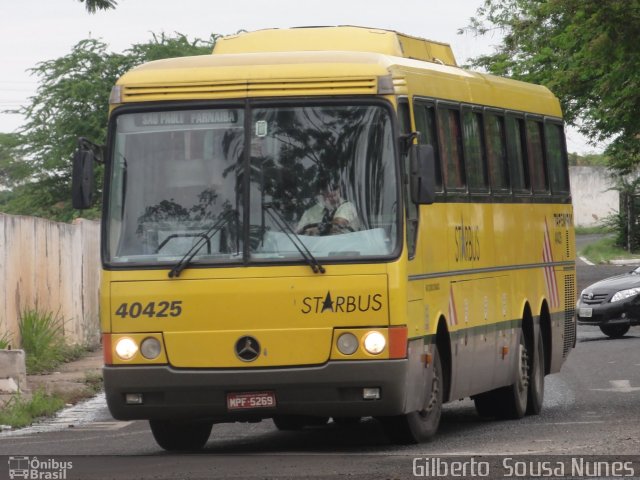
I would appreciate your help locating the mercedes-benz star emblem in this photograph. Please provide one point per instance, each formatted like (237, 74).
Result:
(247, 349)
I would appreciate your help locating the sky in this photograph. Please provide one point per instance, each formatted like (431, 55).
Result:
(33, 31)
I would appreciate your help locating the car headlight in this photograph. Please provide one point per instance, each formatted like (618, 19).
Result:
(624, 294)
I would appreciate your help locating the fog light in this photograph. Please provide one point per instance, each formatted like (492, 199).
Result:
(126, 348)
(347, 343)
(150, 348)
(374, 343)
(371, 393)
(133, 398)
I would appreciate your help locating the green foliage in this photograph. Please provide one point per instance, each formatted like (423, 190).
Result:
(19, 411)
(94, 5)
(605, 250)
(42, 336)
(588, 160)
(70, 102)
(5, 340)
(585, 51)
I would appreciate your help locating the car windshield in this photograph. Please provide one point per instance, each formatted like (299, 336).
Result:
(265, 178)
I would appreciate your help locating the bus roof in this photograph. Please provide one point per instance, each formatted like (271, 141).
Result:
(328, 61)
(343, 38)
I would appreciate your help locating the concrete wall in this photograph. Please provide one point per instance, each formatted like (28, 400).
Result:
(54, 266)
(593, 199)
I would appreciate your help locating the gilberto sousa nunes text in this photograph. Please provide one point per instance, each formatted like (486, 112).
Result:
(517, 467)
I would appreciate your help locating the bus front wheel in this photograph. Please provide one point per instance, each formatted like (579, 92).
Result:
(420, 426)
(181, 435)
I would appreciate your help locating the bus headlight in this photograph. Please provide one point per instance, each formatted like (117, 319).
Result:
(150, 348)
(347, 343)
(374, 343)
(126, 348)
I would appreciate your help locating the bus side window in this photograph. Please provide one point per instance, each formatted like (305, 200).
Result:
(425, 117)
(496, 152)
(536, 157)
(516, 142)
(557, 158)
(450, 141)
(474, 151)
(411, 209)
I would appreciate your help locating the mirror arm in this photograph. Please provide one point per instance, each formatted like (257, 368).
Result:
(406, 140)
(97, 150)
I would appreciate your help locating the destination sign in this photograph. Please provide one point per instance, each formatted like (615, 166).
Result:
(196, 117)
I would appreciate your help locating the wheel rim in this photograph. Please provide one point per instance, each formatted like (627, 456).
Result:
(432, 403)
(523, 380)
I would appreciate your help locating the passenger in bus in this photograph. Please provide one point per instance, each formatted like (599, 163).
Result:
(331, 215)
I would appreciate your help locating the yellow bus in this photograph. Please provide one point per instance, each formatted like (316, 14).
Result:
(330, 222)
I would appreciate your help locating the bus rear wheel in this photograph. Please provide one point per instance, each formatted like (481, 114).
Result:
(536, 378)
(420, 426)
(508, 402)
(181, 435)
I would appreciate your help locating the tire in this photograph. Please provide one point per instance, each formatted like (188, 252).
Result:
(614, 331)
(535, 394)
(511, 401)
(420, 426)
(181, 436)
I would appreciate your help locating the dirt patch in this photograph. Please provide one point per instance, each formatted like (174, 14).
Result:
(73, 381)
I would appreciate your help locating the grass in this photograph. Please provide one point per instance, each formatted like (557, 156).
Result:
(94, 382)
(19, 411)
(604, 250)
(5, 341)
(592, 230)
(43, 341)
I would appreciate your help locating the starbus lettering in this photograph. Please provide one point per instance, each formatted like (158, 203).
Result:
(341, 303)
(467, 238)
(564, 220)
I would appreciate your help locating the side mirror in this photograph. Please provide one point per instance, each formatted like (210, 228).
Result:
(82, 177)
(422, 180)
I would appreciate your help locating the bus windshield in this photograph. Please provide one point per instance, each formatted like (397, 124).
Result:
(253, 183)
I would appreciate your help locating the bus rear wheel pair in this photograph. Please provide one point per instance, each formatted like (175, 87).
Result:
(526, 394)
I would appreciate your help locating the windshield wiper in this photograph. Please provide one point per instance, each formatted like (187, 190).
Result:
(205, 238)
(293, 237)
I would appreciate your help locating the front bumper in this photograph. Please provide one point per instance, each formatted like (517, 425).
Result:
(617, 313)
(332, 389)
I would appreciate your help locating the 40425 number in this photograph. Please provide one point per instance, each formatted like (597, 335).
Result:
(161, 309)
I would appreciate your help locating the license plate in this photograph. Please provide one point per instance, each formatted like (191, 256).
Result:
(247, 400)
(585, 312)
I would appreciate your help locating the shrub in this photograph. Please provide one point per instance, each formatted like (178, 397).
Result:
(43, 341)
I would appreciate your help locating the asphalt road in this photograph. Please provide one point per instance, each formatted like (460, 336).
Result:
(591, 407)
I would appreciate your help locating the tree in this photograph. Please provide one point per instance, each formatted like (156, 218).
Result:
(585, 51)
(94, 5)
(72, 101)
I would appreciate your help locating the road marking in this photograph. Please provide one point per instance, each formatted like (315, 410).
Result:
(619, 386)
(586, 261)
(100, 426)
(574, 423)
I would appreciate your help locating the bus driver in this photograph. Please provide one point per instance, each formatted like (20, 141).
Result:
(330, 215)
